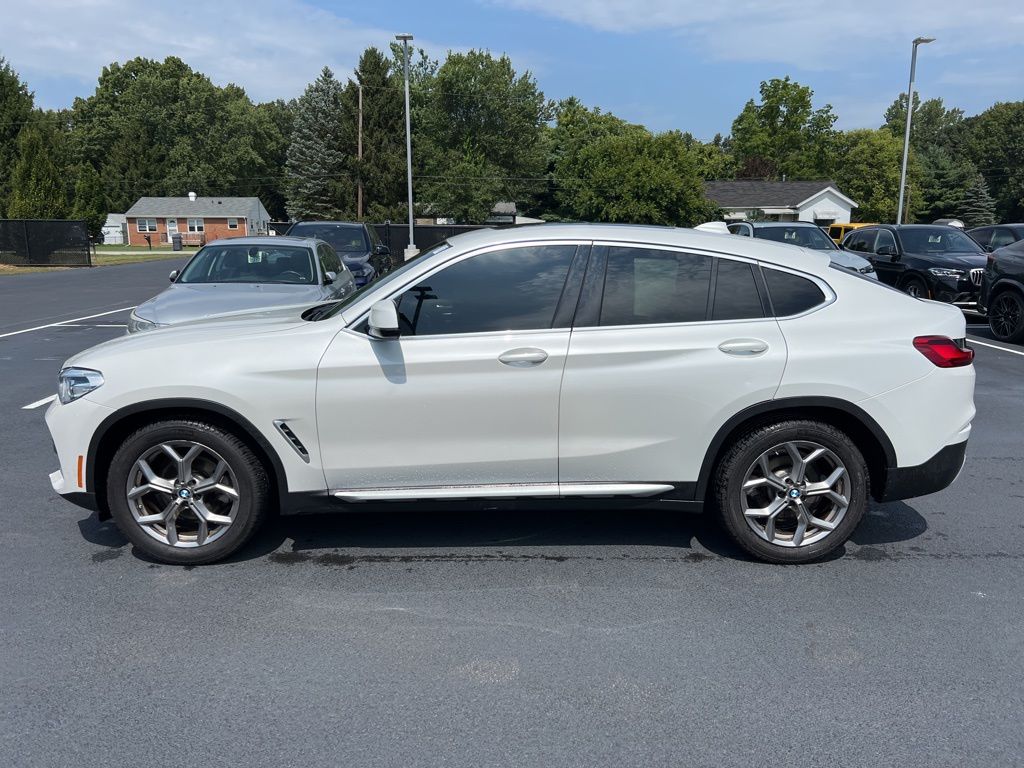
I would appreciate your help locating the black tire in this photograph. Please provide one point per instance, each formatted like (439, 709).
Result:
(250, 479)
(915, 286)
(1006, 316)
(744, 452)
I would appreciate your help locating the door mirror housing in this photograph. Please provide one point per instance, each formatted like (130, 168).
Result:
(383, 322)
(173, 276)
(382, 250)
(330, 277)
(886, 250)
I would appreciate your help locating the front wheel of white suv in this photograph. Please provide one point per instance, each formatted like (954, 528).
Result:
(792, 492)
(186, 492)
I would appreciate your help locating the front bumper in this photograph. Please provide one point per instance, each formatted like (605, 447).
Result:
(963, 293)
(930, 477)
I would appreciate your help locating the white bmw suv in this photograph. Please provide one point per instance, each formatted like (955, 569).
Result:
(632, 365)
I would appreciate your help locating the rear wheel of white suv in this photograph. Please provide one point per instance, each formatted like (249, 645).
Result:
(186, 492)
(792, 492)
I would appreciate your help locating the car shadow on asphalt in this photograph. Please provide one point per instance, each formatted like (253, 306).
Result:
(513, 535)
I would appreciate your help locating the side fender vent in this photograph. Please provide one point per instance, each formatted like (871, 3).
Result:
(292, 438)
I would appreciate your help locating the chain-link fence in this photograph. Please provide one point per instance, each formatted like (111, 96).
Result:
(44, 243)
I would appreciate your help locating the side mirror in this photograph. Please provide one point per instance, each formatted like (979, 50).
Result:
(384, 320)
(173, 276)
(382, 250)
(886, 250)
(988, 248)
(330, 277)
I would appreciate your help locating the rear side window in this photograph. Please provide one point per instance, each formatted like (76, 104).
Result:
(983, 236)
(508, 290)
(791, 294)
(736, 296)
(647, 286)
(329, 260)
(861, 241)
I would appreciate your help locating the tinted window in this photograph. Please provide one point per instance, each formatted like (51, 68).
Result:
(736, 295)
(791, 294)
(805, 237)
(937, 240)
(644, 285)
(250, 264)
(885, 238)
(329, 260)
(862, 241)
(1000, 238)
(982, 235)
(350, 238)
(509, 290)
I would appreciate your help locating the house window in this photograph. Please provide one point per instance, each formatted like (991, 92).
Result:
(195, 225)
(232, 223)
(145, 225)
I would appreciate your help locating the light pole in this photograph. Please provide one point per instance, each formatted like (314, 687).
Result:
(411, 250)
(906, 134)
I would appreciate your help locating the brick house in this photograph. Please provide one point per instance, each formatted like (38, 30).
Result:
(198, 220)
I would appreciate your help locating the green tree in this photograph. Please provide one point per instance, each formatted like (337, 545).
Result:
(933, 124)
(977, 208)
(870, 174)
(784, 135)
(15, 109)
(89, 203)
(38, 189)
(478, 112)
(319, 177)
(994, 141)
(637, 177)
(945, 179)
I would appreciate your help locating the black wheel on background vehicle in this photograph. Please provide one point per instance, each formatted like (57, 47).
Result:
(915, 287)
(186, 492)
(792, 492)
(1006, 316)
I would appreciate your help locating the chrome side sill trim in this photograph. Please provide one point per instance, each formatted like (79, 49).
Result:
(503, 491)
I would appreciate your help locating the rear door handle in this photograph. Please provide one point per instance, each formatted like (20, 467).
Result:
(523, 357)
(744, 347)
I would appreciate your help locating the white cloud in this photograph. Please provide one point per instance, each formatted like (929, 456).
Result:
(810, 34)
(272, 48)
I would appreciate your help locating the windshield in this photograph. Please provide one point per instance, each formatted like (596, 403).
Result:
(805, 237)
(324, 311)
(937, 240)
(251, 264)
(347, 238)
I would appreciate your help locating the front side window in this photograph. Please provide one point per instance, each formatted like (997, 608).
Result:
(508, 290)
(885, 239)
(736, 295)
(646, 286)
(251, 264)
(329, 260)
(145, 225)
(195, 225)
(791, 294)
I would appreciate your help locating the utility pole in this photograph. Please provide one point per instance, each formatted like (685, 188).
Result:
(411, 250)
(359, 152)
(906, 134)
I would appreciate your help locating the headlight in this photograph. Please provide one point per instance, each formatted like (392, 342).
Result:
(72, 383)
(137, 324)
(943, 272)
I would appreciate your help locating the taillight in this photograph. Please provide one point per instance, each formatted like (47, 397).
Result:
(944, 351)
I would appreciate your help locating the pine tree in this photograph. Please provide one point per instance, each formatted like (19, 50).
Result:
(15, 109)
(977, 207)
(90, 203)
(318, 175)
(38, 190)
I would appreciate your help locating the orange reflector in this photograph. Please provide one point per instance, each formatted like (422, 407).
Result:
(81, 462)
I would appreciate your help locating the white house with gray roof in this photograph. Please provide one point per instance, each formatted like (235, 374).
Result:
(197, 219)
(819, 201)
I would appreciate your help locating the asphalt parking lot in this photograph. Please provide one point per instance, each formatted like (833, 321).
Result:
(477, 639)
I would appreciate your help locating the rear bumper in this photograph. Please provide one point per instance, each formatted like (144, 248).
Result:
(930, 477)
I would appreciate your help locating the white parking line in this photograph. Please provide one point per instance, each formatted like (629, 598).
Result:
(994, 346)
(62, 322)
(38, 403)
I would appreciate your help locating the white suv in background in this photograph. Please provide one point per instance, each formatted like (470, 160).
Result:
(636, 365)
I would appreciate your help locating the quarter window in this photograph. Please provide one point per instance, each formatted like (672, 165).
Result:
(509, 290)
(195, 225)
(790, 293)
(646, 285)
(145, 225)
(736, 296)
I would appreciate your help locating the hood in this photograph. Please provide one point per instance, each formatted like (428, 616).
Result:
(354, 257)
(965, 260)
(184, 302)
(847, 259)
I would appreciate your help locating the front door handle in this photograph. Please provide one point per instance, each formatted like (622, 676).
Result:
(744, 347)
(523, 357)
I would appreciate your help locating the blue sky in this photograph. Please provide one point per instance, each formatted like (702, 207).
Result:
(683, 64)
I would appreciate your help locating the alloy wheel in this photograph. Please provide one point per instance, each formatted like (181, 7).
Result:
(182, 493)
(1005, 315)
(795, 494)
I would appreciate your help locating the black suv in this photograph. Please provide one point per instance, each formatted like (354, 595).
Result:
(932, 261)
(357, 244)
(1002, 292)
(997, 236)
